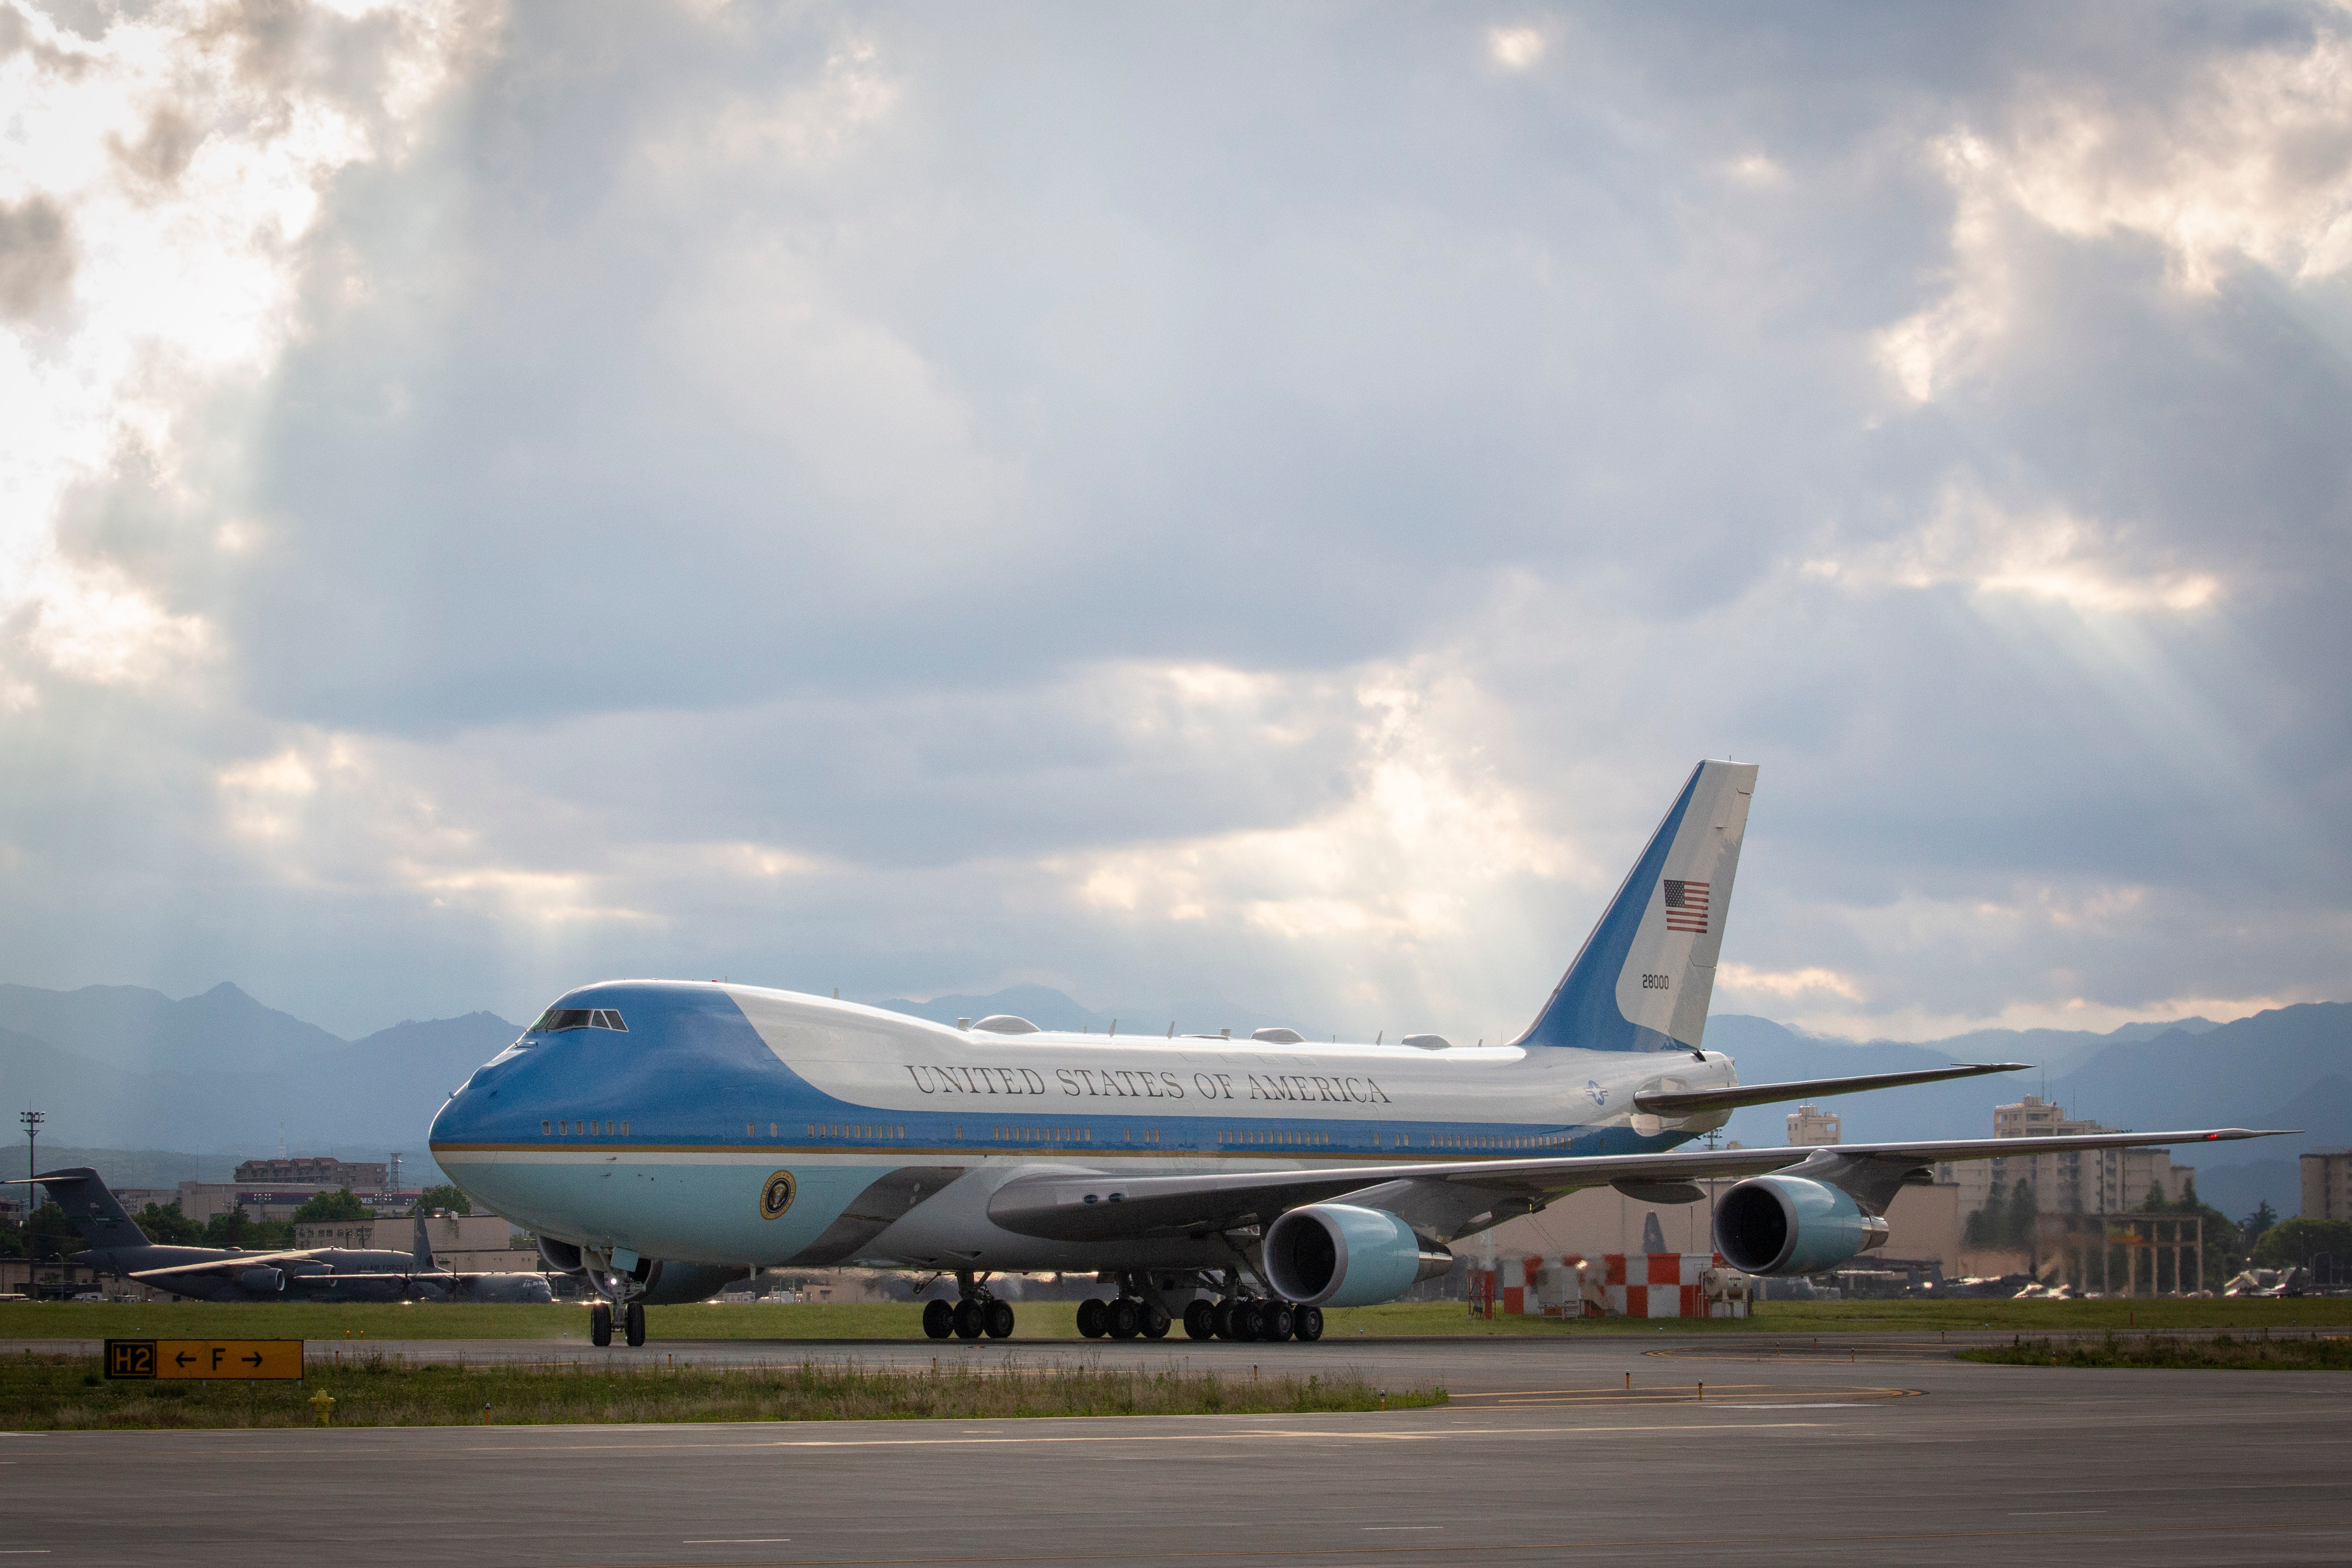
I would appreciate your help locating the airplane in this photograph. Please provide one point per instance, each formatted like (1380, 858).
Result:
(114, 1243)
(658, 1134)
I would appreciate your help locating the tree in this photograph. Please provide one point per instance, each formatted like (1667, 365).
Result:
(445, 1196)
(237, 1228)
(2021, 1225)
(2294, 1243)
(1983, 1228)
(2260, 1220)
(167, 1226)
(332, 1206)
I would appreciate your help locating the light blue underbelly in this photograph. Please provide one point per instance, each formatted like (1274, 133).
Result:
(692, 1213)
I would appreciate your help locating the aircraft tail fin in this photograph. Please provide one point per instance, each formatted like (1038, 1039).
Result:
(97, 1216)
(1645, 975)
(423, 1247)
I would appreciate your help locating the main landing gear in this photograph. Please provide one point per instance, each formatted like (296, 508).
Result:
(632, 1323)
(976, 1311)
(1253, 1318)
(1123, 1318)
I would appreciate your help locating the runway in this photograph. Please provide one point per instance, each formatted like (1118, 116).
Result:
(1793, 1452)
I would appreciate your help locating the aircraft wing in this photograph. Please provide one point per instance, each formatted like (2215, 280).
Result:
(1063, 1205)
(1696, 1101)
(218, 1266)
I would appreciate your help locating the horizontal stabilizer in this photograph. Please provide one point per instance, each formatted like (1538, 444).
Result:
(1694, 1101)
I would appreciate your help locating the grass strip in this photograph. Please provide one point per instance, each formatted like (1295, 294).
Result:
(2282, 1352)
(69, 1393)
(358, 1323)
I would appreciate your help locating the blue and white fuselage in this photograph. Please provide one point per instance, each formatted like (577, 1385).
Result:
(661, 1138)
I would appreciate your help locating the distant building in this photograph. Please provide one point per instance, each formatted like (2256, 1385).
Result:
(200, 1201)
(2327, 1184)
(322, 1172)
(2094, 1181)
(1811, 1126)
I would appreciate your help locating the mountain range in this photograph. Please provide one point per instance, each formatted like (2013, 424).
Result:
(120, 1067)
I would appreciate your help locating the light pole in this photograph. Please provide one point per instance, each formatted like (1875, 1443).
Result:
(32, 1121)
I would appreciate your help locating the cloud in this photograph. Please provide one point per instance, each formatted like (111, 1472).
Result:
(499, 499)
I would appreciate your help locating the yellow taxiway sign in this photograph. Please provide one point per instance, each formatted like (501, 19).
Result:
(204, 1358)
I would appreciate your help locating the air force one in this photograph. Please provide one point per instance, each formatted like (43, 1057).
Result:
(663, 1136)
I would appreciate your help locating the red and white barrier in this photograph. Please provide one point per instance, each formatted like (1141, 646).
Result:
(1632, 1285)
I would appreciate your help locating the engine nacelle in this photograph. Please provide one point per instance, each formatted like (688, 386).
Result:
(1789, 1225)
(1336, 1254)
(671, 1283)
(261, 1280)
(655, 1281)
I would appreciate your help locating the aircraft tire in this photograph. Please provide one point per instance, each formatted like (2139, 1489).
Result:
(1091, 1317)
(1156, 1320)
(998, 1320)
(1126, 1320)
(1275, 1320)
(1249, 1321)
(632, 1323)
(970, 1321)
(1307, 1324)
(600, 1323)
(939, 1318)
(1201, 1320)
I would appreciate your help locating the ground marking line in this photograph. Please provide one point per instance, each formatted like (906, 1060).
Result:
(738, 1540)
(1413, 1436)
(1553, 1546)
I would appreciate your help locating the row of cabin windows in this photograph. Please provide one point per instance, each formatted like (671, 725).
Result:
(1278, 1138)
(1497, 1140)
(1271, 1138)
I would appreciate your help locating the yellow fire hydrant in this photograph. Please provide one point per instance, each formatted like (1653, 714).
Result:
(321, 1403)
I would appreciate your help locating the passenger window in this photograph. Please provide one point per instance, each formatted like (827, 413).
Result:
(545, 1128)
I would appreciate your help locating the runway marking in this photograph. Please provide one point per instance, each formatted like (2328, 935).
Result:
(739, 1541)
(1373, 1527)
(2052, 1512)
(1417, 1434)
(1631, 1544)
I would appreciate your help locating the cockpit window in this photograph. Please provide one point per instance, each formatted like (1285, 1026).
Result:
(559, 1018)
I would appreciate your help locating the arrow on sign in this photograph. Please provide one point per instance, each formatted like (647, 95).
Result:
(183, 1359)
(253, 1360)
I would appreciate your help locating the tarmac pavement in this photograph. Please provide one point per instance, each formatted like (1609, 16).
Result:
(1603, 1448)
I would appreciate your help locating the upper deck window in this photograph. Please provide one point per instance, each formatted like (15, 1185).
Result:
(556, 1020)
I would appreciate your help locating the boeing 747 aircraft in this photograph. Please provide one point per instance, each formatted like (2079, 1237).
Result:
(662, 1137)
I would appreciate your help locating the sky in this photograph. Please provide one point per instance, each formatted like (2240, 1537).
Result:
(1241, 514)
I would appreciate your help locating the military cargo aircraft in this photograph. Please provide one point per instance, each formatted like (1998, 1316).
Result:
(114, 1243)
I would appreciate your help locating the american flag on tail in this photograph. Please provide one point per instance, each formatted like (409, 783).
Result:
(1686, 906)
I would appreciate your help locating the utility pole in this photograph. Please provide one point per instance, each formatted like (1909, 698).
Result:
(32, 1121)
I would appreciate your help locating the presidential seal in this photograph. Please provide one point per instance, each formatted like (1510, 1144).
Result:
(776, 1196)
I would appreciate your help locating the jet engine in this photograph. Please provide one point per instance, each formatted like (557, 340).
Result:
(1336, 1254)
(659, 1283)
(1789, 1225)
(260, 1280)
(671, 1283)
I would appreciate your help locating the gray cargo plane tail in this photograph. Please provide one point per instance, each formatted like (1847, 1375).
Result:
(113, 1243)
